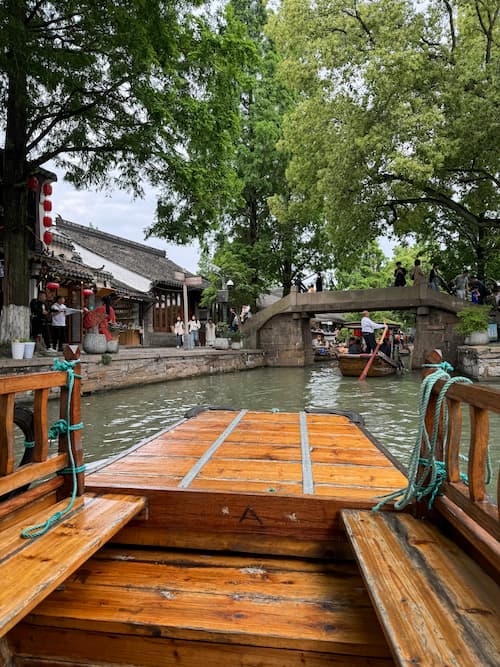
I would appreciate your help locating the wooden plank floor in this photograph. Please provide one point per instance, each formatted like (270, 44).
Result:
(249, 452)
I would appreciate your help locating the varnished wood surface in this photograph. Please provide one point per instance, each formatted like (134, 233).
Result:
(352, 365)
(254, 606)
(435, 603)
(31, 569)
(263, 453)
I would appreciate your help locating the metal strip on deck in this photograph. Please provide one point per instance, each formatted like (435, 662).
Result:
(307, 477)
(203, 460)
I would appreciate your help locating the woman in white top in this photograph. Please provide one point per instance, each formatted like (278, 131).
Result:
(194, 327)
(210, 333)
(59, 312)
(179, 331)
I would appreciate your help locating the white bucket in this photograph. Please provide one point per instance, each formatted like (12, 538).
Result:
(29, 349)
(17, 350)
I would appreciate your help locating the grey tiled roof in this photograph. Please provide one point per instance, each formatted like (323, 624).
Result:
(149, 262)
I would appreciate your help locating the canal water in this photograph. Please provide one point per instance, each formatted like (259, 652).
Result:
(115, 420)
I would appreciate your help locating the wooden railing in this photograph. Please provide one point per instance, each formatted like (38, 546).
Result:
(42, 463)
(467, 505)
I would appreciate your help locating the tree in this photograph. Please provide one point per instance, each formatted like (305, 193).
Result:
(114, 93)
(397, 129)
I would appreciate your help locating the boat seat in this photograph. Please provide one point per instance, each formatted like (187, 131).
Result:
(151, 607)
(436, 605)
(30, 569)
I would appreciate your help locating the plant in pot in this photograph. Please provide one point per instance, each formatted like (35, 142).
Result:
(235, 337)
(473, 324)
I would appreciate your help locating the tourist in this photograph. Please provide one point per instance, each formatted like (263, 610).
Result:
(385, 347)
(194, 327)
(59, 312)
(40, 321)
(461, 284)
(179, 331)
(319, 283)
(105, 316)
(399, 275)
(480, 289)
(234, 319)
(210, 333)
(245, 314)
(354, 346)
(368, 327)
(434, 278)
(417, 275)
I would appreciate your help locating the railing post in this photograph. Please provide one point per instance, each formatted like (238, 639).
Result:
(6, 433)
(72, 354)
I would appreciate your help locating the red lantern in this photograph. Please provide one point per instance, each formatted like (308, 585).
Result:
(87, 292)
(47, 221)
(52, 286)
(33, 183)
(47, 238)
(47, 205)
(47, 189)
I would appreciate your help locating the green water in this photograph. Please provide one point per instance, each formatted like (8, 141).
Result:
(116, 420)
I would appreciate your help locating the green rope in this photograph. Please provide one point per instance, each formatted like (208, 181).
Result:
(29, 444)
(41, 528)
(433, 472)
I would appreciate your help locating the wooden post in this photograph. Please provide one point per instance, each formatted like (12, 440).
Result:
(72, 353)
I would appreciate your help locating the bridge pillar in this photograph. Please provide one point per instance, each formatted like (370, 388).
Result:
(435, 329)
(286, 340)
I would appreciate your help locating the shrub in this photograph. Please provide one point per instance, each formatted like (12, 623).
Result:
(472, 319)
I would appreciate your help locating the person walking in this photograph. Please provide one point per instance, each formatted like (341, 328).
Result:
(461, 284)
(368, 327)
(417, 275)
(399, 275)
(40, 321)
(59, 312)
(179, 331)
(210, 333)
(194, 327)
(434, 278)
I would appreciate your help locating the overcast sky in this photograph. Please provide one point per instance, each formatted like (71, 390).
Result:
(117, 214)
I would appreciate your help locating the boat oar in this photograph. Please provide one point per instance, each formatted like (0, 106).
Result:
(372, 357)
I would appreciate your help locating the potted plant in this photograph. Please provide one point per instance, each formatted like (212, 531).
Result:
(235, 340)
(17, 349)
(222, 336)
(473, 324)
(29, 348)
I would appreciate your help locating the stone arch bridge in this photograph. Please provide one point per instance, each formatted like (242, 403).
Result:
(283, 329)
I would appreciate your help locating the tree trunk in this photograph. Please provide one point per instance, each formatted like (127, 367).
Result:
(17, 235)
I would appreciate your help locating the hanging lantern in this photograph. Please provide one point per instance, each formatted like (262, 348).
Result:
(47, 221)
(33, 183)
(47, 205)
(87, 291)
(47, 189)
(52, 286)
(47, 238)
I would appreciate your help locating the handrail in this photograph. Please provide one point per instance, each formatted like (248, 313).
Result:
(42, 463)
(466, 504)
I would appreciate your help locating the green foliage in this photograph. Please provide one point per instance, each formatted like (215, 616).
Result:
(472, 319)
(397, 126)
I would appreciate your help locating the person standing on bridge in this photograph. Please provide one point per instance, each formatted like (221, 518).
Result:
(368, 327)
(461, 284)
(417, 275)
(399, 275)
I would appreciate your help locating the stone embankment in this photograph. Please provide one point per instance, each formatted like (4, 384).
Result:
(480, 362)
(138, 366)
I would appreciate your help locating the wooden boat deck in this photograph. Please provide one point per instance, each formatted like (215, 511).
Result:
(252, 481)
(284, 454)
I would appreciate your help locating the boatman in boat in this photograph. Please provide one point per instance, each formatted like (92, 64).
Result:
(368, 327)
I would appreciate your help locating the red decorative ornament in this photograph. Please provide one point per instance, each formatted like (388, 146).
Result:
(47, 221)
(47, 189)
(47, 238)
(47, 205)
(52, 286)
(33, 183)
(87, 291)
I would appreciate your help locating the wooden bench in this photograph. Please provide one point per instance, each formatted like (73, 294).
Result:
(436, 605)
(32, 568)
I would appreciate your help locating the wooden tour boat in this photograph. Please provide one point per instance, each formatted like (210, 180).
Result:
(353, 365)
(238, 538)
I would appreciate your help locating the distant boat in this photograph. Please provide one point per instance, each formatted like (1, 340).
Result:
(352, 365)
